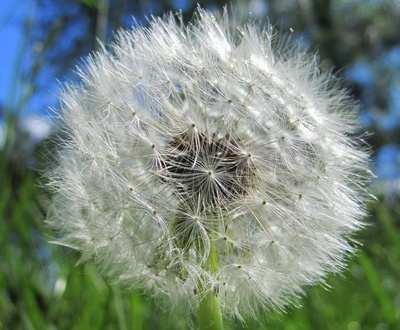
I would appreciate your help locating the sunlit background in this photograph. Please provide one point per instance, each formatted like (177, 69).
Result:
(41, 41)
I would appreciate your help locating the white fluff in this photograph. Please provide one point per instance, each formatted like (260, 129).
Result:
(180, 138)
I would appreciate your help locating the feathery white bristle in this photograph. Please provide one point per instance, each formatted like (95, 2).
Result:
(180, 137)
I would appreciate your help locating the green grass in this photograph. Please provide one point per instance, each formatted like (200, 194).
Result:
(41, 287)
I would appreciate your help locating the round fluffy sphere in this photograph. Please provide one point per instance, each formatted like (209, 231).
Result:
(187, 144)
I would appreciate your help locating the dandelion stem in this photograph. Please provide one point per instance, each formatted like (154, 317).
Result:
(210, 317)
(209, 312)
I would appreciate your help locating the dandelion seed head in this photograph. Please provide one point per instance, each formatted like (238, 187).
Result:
(183, 140)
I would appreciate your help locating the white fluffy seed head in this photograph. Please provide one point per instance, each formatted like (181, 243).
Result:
(180, 138)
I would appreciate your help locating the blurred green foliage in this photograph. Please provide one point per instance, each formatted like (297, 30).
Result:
(41, 287)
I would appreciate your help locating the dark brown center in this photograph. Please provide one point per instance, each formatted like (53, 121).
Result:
(207, 168)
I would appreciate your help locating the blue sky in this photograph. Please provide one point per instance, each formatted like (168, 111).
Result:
(12, 16)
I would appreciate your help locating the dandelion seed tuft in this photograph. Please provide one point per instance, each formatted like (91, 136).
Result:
(187, 144)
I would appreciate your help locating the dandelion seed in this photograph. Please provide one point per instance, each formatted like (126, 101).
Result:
(202, 161)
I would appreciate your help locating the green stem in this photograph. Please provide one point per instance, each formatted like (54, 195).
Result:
(210, 316)
(209, 312)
